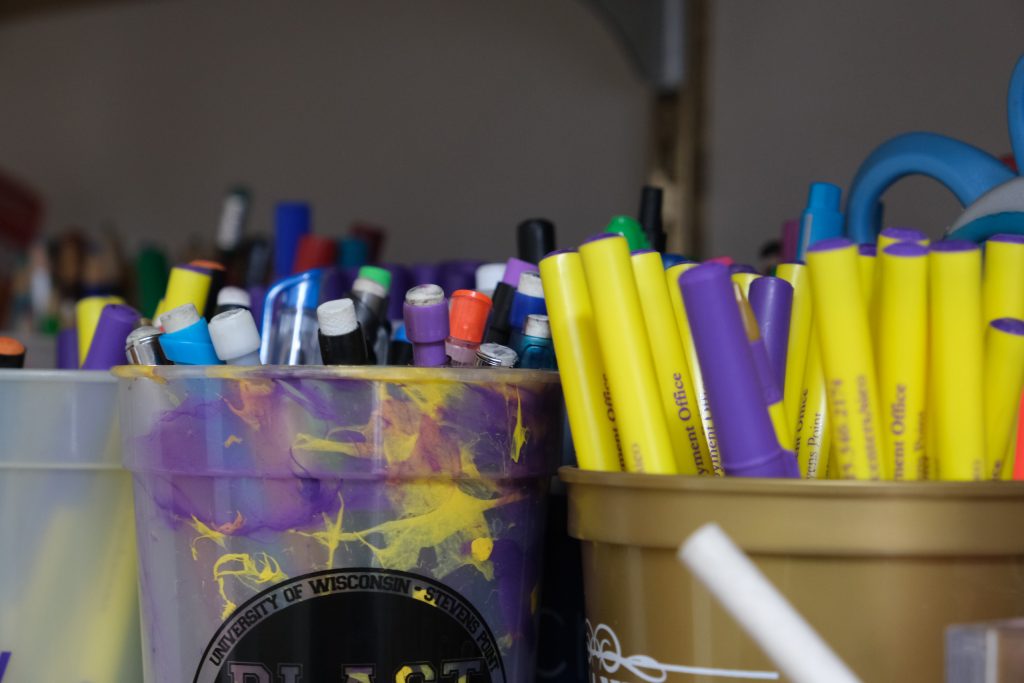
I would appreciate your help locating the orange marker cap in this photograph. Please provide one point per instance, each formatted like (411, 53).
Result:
(206, 265)
(468, 315)
(11, 347)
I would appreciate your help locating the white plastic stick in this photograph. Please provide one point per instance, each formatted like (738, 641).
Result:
(760, 609)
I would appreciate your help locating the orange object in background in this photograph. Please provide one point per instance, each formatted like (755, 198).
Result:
(21, 212)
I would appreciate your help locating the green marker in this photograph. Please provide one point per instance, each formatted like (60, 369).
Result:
(151, 276)
(631, 229)
(382, 276)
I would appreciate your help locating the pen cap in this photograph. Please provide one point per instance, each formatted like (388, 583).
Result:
(823, 197)
(232, 219)
(529, 299)
(233, 297)
(354, 252)
(107, 348)
(747, 439)
(514, 269)
(821, 218)
(314, 251)
(179, 318)
(650, 216)
(291, 222)
(424, 273)
(142, 347)
(496, 356)
(234, 334)
(426, 314)
(12, 353)
(382, 276)
(488, 276)
(468, 317)
(188, 284)
(535, 238)
(337, 317)
(537, 326)
(400, 282)
(629, 228)
(894, 235)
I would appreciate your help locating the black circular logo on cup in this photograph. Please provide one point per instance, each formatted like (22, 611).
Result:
(354, 626)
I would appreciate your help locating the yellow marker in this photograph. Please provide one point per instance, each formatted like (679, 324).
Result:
(770, 390)
(744, 280)
(185, 286)
(866, 266)
(799, 338)
(812, 427)
(627, 355)
(587, 398)
(902, 345)
(87, 317)
(696, 376)
(1003, 281)
(841, 321)
(891, 236)
(682, 412)
(956, 368)
(1004, 376)
(1010, 454)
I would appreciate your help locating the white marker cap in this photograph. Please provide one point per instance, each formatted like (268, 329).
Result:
(530, 285)
(234, 334)
(537, 326)
(179, 318)
(234, 296)
(337, 317)
(424, 295)
(365, 285)
(488, 276)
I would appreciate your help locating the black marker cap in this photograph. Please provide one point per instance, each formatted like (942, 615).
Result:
(650, 217)
(536, 239)
(498, 328)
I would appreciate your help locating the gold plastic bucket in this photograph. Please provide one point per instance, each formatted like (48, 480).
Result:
(879, 569)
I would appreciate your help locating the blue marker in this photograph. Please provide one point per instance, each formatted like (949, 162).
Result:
(528, 299)
(536, 350)
(291, 222)
(822, 218)
(186, 338)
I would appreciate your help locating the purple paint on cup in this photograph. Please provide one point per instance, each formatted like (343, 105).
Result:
(513, 269)
(904, 235)
(747, 439)
(426, 324)
(107, 347)
(771, 299)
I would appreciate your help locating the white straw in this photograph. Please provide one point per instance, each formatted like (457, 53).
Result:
(760, 609)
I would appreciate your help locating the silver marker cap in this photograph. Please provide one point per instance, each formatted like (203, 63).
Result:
(142, 347)
(496, 356)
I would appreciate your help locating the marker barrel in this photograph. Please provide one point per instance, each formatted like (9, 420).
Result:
(957, 337)
(799, 337)
(626, 351)
(1003, 281)
(107, 348)
(696, 375)
(813, 431)
(678, 398)
(535, 238)
(749, 446)
(841, 321)
(891, 236)
(902, 343)
(1004, 378)
(649, 216)
(592, 417)
(771, 300)
(87, 316)
(186, 285)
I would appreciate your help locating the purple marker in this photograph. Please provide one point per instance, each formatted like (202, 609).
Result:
(742, 268)
(424, 273)
(456, 275)
(867, 249)
(771, 299)
(745, 434)
(107, 347)
(401, 281)
(67, 349)
(426, 324)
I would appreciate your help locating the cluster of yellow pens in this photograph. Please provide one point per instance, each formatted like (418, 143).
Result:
(914, 359)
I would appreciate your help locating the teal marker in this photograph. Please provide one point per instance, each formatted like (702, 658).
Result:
(822, 218)
(535, 349)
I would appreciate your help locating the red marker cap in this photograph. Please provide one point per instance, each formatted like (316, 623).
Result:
(468, 315)
(314, 251)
